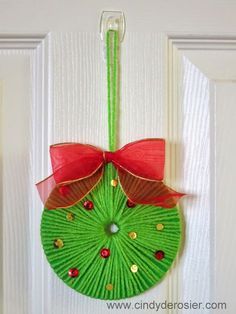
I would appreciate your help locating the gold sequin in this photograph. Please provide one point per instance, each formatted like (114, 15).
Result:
(70, 216)
(114, 182)
(134, 268)
(109, 286)
(160, 227)
(132, 235)
(58, 243)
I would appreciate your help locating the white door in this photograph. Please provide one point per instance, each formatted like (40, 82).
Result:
(179, 76)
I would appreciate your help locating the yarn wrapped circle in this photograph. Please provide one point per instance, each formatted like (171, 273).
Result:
(133, 236)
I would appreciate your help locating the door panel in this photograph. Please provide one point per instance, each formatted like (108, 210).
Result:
(225, 98)
(201, 83)
(16, 169)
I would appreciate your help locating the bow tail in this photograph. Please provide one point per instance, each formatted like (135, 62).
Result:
(141, 191)
(66, 194)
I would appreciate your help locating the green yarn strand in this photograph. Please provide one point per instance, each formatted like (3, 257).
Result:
(112, 48)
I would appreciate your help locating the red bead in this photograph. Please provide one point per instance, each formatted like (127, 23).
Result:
(105, 253)
(73, 272)
(88, 205)
(159, 255)
(130, 204)
(64, 190)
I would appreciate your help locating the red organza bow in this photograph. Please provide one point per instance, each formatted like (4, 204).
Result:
(77, 169)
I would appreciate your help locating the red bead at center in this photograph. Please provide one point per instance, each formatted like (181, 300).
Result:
(105, 253)
(88, 205)
(130, 204)
(73, 272)
(159, 255)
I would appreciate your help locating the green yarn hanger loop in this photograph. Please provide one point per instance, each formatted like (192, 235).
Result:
(112, 49)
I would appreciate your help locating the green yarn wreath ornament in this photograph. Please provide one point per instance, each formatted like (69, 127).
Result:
(104, 245)
(84, 233)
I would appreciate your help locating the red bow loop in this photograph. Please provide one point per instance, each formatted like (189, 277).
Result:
(144, 158)
(74, 161)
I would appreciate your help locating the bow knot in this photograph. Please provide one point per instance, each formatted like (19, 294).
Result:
(108, 156)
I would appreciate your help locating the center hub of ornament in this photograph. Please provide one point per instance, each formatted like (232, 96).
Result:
(112, 228)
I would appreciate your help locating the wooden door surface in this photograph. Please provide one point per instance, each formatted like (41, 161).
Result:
(178, 81)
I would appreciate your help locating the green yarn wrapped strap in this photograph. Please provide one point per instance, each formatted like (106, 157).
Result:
(112, 48)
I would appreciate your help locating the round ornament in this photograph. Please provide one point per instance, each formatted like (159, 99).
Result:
(133, 266)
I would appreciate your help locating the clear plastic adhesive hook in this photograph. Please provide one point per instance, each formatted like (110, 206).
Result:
(112, 20)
